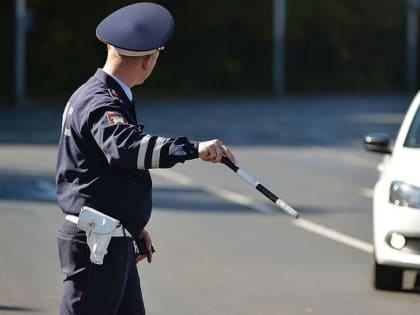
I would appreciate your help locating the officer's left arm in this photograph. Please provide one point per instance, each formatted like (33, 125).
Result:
(126, 145)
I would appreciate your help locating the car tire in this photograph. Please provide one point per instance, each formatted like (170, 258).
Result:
(387, 277)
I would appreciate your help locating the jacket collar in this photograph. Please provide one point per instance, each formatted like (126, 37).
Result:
(115, 88)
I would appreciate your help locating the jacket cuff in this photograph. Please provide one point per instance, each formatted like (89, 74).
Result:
(193, 149)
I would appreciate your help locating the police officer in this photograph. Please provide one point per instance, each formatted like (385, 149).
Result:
(103, 161)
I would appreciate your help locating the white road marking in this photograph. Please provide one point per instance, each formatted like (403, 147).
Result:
(334, 235)
(357, 160)
(239, 199)
(175, 177)
(378, 118)
(248, 202)
(367, 192)
(219, 192)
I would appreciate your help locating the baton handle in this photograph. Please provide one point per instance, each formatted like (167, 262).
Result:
(229, 163)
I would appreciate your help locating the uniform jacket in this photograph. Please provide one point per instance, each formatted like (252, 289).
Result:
(104, 155)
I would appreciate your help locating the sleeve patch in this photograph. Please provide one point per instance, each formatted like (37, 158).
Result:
(116, 118)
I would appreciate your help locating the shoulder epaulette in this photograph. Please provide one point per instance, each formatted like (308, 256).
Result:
(114, 95)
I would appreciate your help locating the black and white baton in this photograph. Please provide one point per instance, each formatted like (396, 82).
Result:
(254, 182)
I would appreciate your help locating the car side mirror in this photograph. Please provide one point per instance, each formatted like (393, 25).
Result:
(378, 142)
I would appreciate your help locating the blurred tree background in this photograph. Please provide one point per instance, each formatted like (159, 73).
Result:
(220, 47)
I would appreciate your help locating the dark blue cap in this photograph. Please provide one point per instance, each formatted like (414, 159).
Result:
(137, 29)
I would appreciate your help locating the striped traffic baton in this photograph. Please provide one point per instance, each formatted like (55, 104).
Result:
(255, 183)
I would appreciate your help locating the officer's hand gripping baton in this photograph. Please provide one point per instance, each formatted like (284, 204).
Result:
(254, 182)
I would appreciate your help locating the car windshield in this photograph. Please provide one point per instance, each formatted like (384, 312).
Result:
(413, 136)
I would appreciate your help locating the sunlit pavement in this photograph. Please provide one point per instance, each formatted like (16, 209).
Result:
(216, 255)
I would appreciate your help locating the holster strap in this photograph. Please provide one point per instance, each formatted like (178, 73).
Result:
(118, 232)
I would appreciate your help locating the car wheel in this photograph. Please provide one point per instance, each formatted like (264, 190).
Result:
(387, 277)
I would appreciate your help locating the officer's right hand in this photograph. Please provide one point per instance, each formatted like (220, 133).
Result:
(213, 151)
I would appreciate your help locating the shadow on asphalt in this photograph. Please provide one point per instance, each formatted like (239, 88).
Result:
(11, 308)
(290, 121)
(18, 187)
(192, 199)
(27, 187)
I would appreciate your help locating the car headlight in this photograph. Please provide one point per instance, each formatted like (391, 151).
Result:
(404, 195)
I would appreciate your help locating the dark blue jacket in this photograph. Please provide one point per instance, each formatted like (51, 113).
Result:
(104, 155)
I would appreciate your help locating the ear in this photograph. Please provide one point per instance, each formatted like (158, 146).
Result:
(149, 61)
(146, 62)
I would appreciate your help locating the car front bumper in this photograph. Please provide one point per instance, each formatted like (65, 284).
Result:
(388, 219)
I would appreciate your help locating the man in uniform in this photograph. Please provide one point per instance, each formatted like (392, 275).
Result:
(103, 161)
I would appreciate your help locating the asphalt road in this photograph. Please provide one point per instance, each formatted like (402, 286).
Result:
(221, 247)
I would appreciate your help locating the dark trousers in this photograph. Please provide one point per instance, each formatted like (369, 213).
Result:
(109, 289)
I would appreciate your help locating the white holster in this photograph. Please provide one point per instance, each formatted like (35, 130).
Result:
(99, 228)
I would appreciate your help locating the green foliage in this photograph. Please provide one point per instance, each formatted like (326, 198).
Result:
(221, 47)
(6, 53)
(348, 45)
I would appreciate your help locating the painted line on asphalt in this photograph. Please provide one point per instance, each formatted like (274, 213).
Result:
(357, 160)
(248, 202)
(175, 177)
(334, 235)
(219, 192)
(367, 192)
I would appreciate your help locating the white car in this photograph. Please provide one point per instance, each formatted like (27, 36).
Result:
(396, 202)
